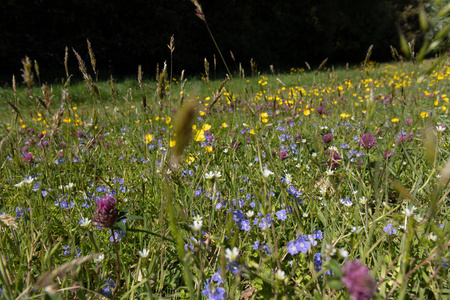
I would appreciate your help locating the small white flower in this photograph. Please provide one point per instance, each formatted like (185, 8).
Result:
(231, 255)
(333, 148)
(304, 141)
(355, 192)
(100, 258)
(288, 179)
(250, 214)
(329, 172)
(266, 173)
(404, 163)
(298, 166)
(84, 222)
(432, 237)
(314, 154)
(356, 229)
(363, 200)
(197, 218)
(250, 164)
(144, 253)
(196, 225)
(209, 175)
(438, 176)
(27, 180)
(409, 212)
(217, 174)
(280, 275)
(323, 190)
(307, 167)
(330, 250)
(305, 215)
(440, 128)
(343, 253)
(225, 150)
(418, 218)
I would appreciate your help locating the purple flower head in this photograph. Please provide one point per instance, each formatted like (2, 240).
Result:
(327, 138)
(283, 154)
(107, 214)
(80, 133)
(320, 110)
(358, 281)
(409, 122)
(368, 141)
(333, 159)
(28, 157)
(388, 154)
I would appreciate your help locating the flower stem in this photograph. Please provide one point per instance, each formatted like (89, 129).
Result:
(118, 265)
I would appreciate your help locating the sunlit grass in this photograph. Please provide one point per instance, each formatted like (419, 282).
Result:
(273, 194)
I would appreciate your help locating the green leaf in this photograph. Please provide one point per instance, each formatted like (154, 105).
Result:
(121, 226)
(334, 266)
(335, 284)
(131, 217)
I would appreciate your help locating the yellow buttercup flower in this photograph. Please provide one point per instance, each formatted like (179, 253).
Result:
(206, 127)
(200, 136)
(424, 114)
(306, 112)
(172, 143)
(395, 120)
(148, 138)
(208, 149)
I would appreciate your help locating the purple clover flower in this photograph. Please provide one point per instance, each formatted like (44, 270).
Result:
(106, 214)
(368, 141)
(358, 281)
(327, 138)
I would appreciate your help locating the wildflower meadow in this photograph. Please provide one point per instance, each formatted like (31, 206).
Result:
(320, 183)
(314, 184)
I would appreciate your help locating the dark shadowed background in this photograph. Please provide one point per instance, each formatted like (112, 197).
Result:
(125, 34)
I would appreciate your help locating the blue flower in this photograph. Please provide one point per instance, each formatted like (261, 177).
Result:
(106, 291)
(281, 215)
(256, 245)
(318, 235)
(317, 262)
(245, 225)
(118, 234)
(212, 293)
(217, 277)
(302, 244)
(291, 248)
(390, 229)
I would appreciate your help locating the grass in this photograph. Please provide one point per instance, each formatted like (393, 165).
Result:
(241, 197)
